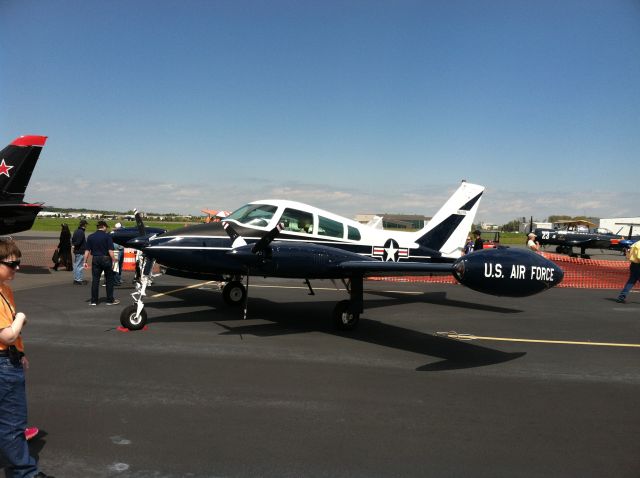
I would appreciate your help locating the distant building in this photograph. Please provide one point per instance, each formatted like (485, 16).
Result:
(621, 225)
(487, 226)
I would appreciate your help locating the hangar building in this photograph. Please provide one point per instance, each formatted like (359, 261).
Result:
(620, 225)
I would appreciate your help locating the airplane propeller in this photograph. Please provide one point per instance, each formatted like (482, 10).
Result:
(260, 246)
(259, 249)
(236, 239)
(265, 240)
(141, 229)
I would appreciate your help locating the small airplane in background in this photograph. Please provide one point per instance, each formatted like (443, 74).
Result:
(17, 162)
(629, 240)
(287, 239)
(214, 215)
(566, 235)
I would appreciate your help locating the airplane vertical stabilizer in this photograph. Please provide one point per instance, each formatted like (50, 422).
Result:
(17, 162)
(448, 229)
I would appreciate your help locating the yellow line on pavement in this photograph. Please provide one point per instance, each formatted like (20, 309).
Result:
(538, 341)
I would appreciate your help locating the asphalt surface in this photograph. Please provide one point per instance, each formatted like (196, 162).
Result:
(202, 393)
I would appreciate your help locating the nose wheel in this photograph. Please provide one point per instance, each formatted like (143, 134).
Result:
(132, 319)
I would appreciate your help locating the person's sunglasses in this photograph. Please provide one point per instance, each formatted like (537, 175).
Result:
(12, 264)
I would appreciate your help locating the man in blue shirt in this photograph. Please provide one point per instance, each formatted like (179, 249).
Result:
(100, 246)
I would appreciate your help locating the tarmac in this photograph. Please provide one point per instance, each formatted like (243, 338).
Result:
(437, 380)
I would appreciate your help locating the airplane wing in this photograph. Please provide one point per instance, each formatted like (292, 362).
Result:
(395, 268)
(504, 271)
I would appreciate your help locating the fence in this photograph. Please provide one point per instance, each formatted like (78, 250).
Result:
(578, 273)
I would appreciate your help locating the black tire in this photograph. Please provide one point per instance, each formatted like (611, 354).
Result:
(130, 319)
(342, 318)
(234, 293)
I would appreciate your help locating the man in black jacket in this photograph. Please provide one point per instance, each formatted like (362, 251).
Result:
(79, 243)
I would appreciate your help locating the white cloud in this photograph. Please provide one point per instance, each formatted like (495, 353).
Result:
(498, 205)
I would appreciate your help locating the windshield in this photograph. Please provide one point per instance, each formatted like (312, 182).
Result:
(254, 214)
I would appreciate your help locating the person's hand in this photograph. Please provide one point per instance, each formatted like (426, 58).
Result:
(86, 265)
(20, 315)
(25, 362)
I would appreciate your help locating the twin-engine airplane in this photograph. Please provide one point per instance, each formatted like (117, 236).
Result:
(17, 162)
(279, 238)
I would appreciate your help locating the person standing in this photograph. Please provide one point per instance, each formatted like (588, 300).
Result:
(64, 249)
(532, 244)
(13, 362)
(633, 254)
(79, 242)
(468, 246)
(100, 246)
(478, 244)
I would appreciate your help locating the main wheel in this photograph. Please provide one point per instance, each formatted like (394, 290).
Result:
(343, 319)
(130, 319)
(234, 293)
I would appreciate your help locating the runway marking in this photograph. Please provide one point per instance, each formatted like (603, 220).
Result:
(193, 286)
(455, 335)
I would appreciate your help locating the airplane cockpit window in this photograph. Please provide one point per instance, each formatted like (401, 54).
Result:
(329, 227)
(295, 220)
(254, 214)
(353, 233)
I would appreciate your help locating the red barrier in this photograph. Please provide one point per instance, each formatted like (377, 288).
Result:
(591, 273)
(578, 274)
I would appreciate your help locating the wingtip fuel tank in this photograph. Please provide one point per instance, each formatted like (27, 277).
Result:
(507, 272)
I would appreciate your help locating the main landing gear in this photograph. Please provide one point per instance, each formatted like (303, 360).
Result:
(234, 292)
(346, 313)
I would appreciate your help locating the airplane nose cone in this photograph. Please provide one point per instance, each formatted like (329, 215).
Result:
(507, 272)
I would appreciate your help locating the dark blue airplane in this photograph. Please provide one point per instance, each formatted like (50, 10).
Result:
(280, 238)
(630, 240)
(566, 235)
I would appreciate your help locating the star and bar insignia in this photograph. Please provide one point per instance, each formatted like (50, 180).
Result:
(390, 251)
(4, 168)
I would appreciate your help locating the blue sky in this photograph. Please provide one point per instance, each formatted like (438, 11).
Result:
(353, 106)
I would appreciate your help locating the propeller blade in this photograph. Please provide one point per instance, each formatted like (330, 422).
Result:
(141, 229)
(265, 240)
(236, 239)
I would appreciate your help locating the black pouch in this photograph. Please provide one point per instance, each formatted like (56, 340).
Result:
(14, 354)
